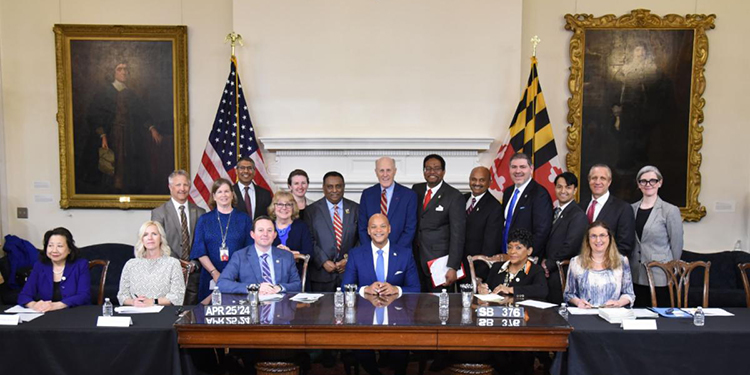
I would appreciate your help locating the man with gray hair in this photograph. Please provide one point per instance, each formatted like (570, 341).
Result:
(605, 207)
(178, 217)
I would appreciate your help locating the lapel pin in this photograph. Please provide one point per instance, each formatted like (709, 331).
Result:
(277, 261)
(394, 254)
(346, 211)
(517, 279)
(438, 196)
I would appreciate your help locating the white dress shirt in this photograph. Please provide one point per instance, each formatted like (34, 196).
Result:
(520, 193)
(599, 204)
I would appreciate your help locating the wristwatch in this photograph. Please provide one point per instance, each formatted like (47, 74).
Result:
(156, 301)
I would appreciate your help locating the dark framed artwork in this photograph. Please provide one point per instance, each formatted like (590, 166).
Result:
(636, 84)
(122, 113)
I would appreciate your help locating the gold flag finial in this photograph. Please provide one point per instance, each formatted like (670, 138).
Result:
(534, 41)
(233, 38)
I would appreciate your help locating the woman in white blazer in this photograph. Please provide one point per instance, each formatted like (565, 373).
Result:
(658, 233)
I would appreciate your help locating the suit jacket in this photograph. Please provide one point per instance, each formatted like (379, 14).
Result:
(661, 241)
(619, 216)
(532, 285)
(566, 236)
(533, 212)
(167, 216)
(262, 200)
(441, 227)
(402, 214)
(244, 269)
(402, 270)
(75, 287)
(483, 231)
(321, 226)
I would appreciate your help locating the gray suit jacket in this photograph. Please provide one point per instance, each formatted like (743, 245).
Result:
(661, 241)
(318, 218)
(166, 215)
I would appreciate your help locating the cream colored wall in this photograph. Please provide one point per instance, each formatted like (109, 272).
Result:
(726, 166)
(29, 99)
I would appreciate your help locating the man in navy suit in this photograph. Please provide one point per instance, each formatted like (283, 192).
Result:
(392, 199)
(606, 207)
(384, 271)
(526, 205)
(251, 198)
(270, 267)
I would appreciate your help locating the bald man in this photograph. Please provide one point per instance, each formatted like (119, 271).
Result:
(484, 220)
(392, 199)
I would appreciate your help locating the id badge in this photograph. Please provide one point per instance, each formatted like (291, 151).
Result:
(224, 253)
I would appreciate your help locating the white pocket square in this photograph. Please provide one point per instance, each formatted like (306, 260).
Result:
(398, 272)
(439, 208)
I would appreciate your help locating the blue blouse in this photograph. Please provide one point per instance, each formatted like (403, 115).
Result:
(207, 241)
(599, 286)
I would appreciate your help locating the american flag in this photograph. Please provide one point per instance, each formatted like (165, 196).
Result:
(228, 141)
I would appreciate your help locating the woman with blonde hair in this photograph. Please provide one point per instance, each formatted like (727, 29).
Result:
(599, 276)
(153, 277)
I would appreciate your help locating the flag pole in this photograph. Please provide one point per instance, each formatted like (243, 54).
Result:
(534, 42)
(234, 39)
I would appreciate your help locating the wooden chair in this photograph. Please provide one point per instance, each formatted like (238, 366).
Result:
(562, 270)
(187, 269)
(305, 259)
(678, 280)
(743, 271)
(105, 266)
(487, 260)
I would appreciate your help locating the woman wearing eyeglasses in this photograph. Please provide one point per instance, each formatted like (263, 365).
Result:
(293, 235)
(599, 276)
(658, 230)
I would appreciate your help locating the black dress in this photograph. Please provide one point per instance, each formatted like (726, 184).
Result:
(529, 281)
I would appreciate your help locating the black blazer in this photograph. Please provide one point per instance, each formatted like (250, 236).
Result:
(262, 200)
(483, 231)
(621, 220)
(441, 227)
(533, 212)
(532, 285)
(566, 236)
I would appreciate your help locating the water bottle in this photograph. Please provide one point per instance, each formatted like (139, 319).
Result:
(338, 298)
(216, 297)
(107, 308)
(564, 310)
(699, 318)
(444, 300)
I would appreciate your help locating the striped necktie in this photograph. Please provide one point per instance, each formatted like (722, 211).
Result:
(338, 229)
(265, 269)
(383, 203)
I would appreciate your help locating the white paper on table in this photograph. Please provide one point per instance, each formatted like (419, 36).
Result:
(645, 313)
(490, 297)
(643, 324)
(114, 321)
(439, 267)
(9, 320)
(138, 310)
(270, 297)
(306, 297)
(18, 309)
(580, 311)
(537, 304)
(709, 311)
(28, 317)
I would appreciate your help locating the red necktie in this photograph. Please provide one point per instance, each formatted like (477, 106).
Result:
(471, 207)
(590, 212)
(248, 204)
(427, 199)
(383, 204)
(338, 229)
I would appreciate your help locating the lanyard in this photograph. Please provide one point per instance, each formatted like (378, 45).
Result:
(223, 232)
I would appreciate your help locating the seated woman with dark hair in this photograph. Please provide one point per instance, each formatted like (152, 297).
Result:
(153, 277)
(519, 275)
(60, 279)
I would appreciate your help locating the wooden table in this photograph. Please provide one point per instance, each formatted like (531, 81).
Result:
(413, 324)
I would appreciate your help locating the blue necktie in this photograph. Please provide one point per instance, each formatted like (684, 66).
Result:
(508, 220)
(265, 269)
(380, 315)
(380, 267)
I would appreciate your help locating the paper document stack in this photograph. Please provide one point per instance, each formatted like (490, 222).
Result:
(616, 315)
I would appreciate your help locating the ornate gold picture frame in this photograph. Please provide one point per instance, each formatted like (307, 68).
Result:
(636, 84)
(122, 101)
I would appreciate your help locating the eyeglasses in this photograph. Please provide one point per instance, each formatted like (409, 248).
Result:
(602, 236)
(429, 169)
(284, 205)
(248, 168)
(651, 182)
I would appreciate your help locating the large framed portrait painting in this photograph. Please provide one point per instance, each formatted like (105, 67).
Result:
(122, 113)
(636, 87)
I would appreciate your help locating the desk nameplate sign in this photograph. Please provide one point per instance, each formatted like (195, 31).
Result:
(227, 310)
(114, 321)
(9, 320)
(500, 312)
(501, 322)
(231, 320)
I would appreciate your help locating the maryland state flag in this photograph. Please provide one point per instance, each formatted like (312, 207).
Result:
(530, 133)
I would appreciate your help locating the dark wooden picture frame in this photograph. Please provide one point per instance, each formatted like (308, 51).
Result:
(636, 84)
(122, 116)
